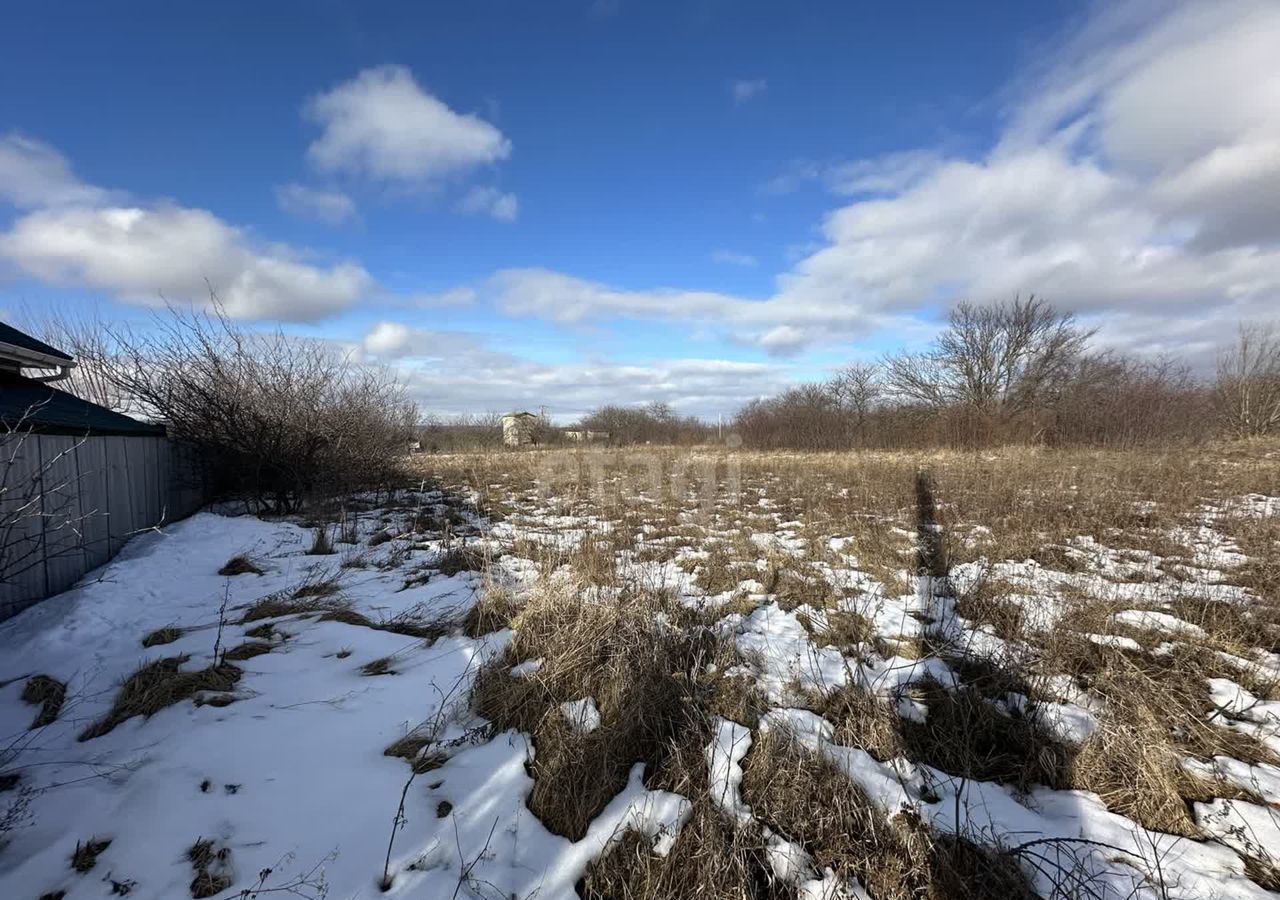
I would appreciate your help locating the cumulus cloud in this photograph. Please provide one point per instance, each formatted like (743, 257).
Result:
(565, 298)
(79, 235)
(33, 175)
(327, 207)
(489, 201)
(453, 372)
(177, 254)
(383, 125)
(744, 89)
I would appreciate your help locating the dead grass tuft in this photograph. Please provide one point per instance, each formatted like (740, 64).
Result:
(166, 635)
(410, 747)
(965, 734)
(466, 558)
(264, 632)
(793, 587)
(494, 609)
(49, 693)
(405, 624)
(209, 864)
(808, 800)
(1132, 766)
(247, 650)
(240, 564)
(158, 685)
(630, 654)
(380, 666)
(86, 855)
(838, 628)
(323, 588)
(307, 599)
(710, 860)
(737, 698)
(862, 720)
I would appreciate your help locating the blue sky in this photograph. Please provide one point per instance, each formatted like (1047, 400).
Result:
(572, 203)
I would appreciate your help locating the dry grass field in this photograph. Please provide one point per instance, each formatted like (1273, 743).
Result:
(660, 673)
(1015, 672)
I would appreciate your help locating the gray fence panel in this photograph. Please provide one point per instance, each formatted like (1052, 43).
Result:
(91, 456)
(150, 508)
(21, 531)
(91, 495)
(61, 510)
(119, 494)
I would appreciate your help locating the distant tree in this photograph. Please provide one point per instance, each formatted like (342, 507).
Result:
(655, 423)
(1000, 359)
(1248, 384)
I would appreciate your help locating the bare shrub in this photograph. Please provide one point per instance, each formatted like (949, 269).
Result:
(275, 418)
(655, 423)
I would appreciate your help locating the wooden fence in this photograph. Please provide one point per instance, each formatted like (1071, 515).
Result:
(68, 504)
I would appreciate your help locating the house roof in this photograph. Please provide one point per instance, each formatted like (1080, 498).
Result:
(520, 415)
(22, 341)
(29, 404)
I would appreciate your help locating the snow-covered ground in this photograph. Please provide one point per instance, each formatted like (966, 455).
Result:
(285, 773)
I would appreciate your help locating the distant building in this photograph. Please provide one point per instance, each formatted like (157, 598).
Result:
(586, 436)
(520, 429)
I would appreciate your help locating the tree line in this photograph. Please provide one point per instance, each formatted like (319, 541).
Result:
(1023, 372)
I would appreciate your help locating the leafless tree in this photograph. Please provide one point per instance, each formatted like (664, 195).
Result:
(857, 388)
(1248, 384)
(1000, 359)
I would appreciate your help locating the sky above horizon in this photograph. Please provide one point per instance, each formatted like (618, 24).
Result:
(573, 203)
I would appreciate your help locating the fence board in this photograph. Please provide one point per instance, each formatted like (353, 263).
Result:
(63, 549)
(21, 534)
(92, 459)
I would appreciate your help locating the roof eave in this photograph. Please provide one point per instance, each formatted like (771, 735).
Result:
(34, 358)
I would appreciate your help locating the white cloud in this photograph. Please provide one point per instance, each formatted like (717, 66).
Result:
(454, 372)
(489, 201)
(145, 254)
(33, 175)
(565, 298)
(388, 340)
(459, 296)
(745, 89)
(327, 207)
(384, 126)
(887, 174)
(732, 258)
